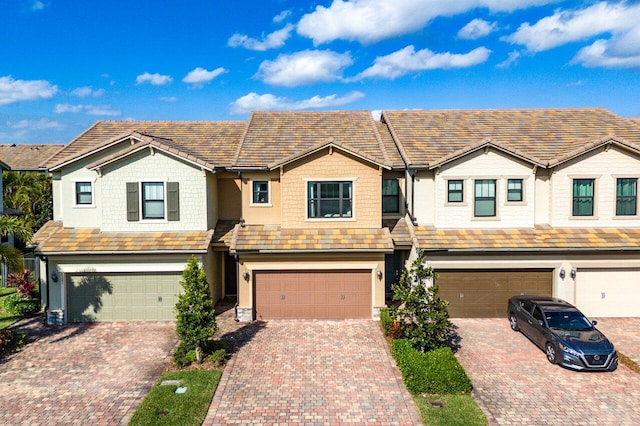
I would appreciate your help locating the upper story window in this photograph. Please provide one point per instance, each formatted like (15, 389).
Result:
(84, 194)
(455, 191)
(390, 196)
(260, 192)
(330, 199)
(514, 190)
(153, 201)
(626, 196)
(583, 197)
(485, 198)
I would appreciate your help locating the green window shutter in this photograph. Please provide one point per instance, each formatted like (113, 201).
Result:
(173, 201)
(132, 202)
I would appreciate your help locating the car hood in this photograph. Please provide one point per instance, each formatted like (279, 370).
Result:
(587, 340)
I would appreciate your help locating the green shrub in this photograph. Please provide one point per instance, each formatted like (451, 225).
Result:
(423, 315)
(434, 372)
(18, 305)
(217, 358)
(184, 356)
(10, 340)
(385, 320)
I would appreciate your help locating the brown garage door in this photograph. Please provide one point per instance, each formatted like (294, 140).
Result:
(312, 294)
(484, 294)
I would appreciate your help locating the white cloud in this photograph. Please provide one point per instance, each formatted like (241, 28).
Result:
(306, 67)
(253, 101)
(12, 90)
(42, 124)
(511, 59)
(281, 16)
(85, 91)
(407, 60)
(621, 51)
(37, 5)
(62, 108)
(476, 29)
(102, 110)
(368, 21)
(168, 98)
(566, 26)
(88, 109)
(271, 41)
(199, 76)
(154, 79)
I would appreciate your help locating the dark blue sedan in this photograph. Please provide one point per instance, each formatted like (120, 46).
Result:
(566, 336)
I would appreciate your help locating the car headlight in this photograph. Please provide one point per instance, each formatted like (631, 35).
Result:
(569, 350)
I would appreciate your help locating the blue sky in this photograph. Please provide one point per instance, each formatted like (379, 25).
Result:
(66, 64)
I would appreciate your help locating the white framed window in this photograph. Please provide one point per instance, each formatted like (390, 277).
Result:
(83, 193)
(152, 200)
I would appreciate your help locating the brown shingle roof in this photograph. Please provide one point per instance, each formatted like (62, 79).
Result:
(274, 136)
(273, 239)
(428, 136)
(538, 238)
(223, 233)
(54, 238)
(213, 142)
(27, 157)
(400, 231)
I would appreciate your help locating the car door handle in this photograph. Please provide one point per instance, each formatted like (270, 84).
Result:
(530, 322)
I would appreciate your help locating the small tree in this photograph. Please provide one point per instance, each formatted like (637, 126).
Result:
(422, 315)
(195, 314)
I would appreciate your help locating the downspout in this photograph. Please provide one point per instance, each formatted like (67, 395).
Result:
(46, 271)
(237, 258)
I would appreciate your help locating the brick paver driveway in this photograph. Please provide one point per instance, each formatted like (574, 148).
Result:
(312, 372)
(83, 374)
(515, 384)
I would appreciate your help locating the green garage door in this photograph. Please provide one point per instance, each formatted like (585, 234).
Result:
(122, 297)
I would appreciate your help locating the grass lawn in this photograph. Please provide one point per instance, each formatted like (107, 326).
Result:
(6, 319)
(450, 410)
(163, 406)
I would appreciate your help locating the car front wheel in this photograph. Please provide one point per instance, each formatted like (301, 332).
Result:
(551, 353)
(513, 322)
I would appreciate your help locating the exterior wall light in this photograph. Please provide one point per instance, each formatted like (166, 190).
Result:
(562, 273)
(54, 277)
(379, 273)
(245, 275)
(573, 273)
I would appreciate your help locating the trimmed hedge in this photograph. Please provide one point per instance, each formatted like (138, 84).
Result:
(434, 372)
(385, 320)
(18, 305)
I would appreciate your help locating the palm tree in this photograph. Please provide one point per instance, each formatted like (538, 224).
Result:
(9, 255)
(29, 192)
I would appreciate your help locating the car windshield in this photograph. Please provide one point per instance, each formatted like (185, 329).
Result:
(568, 321)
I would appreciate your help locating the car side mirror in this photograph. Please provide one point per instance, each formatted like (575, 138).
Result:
(541, 323)
(594, 322)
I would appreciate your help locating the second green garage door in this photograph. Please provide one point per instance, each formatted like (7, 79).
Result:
(122, 297)
(484, 294)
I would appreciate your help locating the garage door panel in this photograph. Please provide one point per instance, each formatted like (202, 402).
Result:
(324, 294)
(484, 294)
(122, 297)
(608, 292)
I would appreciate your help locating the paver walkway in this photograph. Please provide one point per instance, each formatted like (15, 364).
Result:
(84, 374)
(312, 372)
(516, 385)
